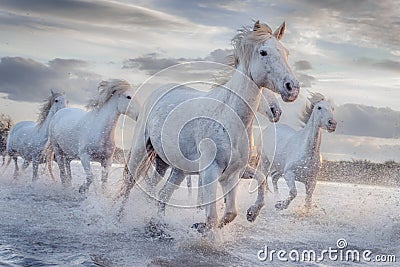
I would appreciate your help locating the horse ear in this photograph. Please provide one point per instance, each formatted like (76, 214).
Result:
(113, 92)
(256, 26)
(52, 92)
(280, 31)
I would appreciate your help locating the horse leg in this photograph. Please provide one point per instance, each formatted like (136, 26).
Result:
(290, 181)
(85, 160)
(16, 169)
(189, 184)
(209, 179)
(174, 180)
(25, 165)
(200, 198)
(60, 159)
(68, 175)
(310, 186)
(275, 177)
(160, 169)
(35, 167)
(229, 189)
(106, 165)
(252, 173)
(137, 155)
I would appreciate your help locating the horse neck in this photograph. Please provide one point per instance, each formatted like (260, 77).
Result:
(243, 96)
(312, 134)
(107, 116)
(44, 126)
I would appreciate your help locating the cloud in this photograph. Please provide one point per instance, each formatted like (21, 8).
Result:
(302, 65)
(100, 12)
(389, 65)
(24, 79)
(386, 64)
(361, 120)
(353, 119)
(153, 62)
(346, 147)
(305, 80)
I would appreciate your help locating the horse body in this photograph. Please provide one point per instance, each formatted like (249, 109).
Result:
(208, 133)
(295, 155)
(28, 139)
(90, 136)
(268, 107)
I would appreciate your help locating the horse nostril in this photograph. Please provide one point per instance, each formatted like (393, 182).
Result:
(331, 122)
(288, 86)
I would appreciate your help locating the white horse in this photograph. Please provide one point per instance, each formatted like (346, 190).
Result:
(207, 133)
(295, 155)
(268, 107)
(90, 136)
(27, 139)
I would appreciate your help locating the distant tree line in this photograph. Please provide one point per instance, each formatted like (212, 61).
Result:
(361, 172)
(355, 171)
(5, 126)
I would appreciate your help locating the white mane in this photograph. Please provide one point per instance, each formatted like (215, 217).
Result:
(45, 108)
(241, 42)
(245, 41)
(106, 90)
(313, 99)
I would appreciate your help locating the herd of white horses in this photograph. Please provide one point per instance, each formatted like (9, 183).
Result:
(190, 132)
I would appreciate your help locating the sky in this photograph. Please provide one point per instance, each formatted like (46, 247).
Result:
(347, 50)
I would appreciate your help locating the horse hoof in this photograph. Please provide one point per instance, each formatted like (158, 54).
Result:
(156, 229)
(252, 214)
(200, 227)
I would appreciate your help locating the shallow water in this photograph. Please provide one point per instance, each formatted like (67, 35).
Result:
(43, 224)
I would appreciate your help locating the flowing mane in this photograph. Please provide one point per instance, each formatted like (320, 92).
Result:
(45, 108)
(106, 90)
(246, 39)
(313, 99)
(246, 36)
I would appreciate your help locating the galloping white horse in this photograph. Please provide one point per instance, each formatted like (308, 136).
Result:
(28, 139)
(208, 133)
(269, 107)
(295, 155)
(90, 136)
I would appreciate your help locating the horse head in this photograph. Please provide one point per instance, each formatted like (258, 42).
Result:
(264, 58)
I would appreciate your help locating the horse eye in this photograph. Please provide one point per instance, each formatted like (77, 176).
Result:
(56, 100)
(129, 97)
(263, 53)
(319, 108)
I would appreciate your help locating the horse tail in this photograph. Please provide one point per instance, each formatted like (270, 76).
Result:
(49, 156)
(130, 179)
(147, 161)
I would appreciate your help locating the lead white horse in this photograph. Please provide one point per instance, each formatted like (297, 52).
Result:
(27, 139)
(90, 136)
(268, 107)
(295, 155)
(208, 133)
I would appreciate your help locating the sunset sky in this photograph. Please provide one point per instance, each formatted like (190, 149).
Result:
(347, 50)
